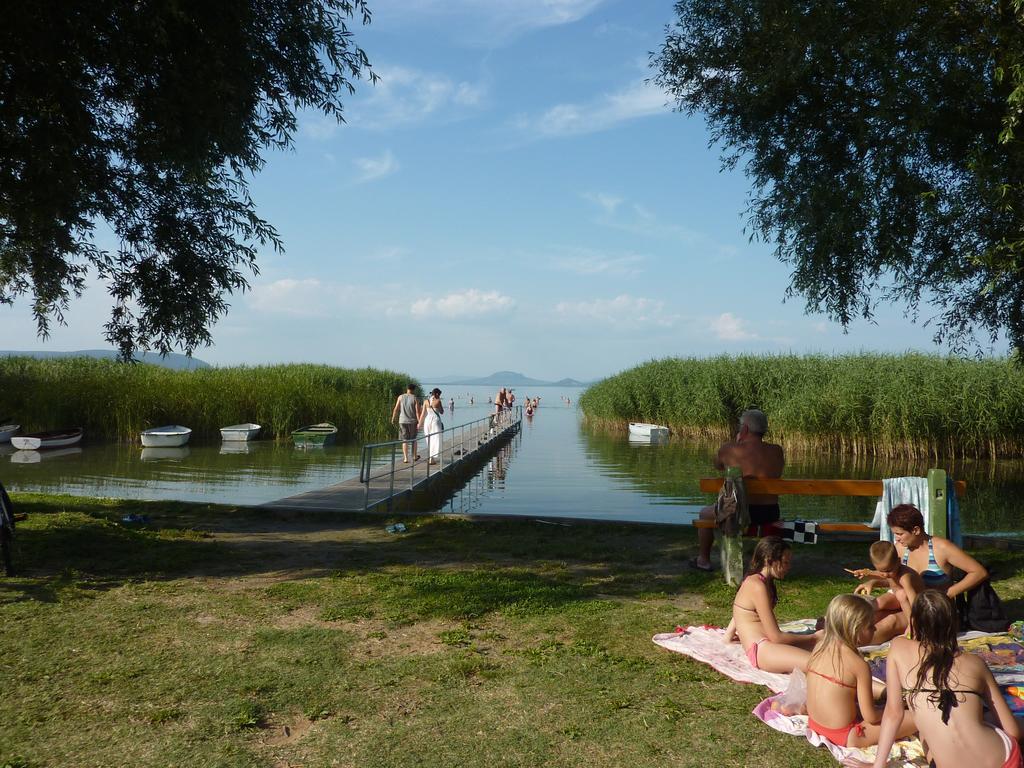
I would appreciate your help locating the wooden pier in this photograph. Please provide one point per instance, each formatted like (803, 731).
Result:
(385, 481)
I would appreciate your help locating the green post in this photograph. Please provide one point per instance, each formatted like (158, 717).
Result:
(731, 547)
(937, 502)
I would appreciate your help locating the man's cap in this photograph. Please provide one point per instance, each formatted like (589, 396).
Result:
(754, 420)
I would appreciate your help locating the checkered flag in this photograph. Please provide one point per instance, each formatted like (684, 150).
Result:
(800, 531)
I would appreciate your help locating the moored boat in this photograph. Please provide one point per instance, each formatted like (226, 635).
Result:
(57, 438)
(644, 431)
(7, 431)
(315, 435)
(169, 436)
(239, 432)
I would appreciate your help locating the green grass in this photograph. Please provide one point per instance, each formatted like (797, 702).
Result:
(116, 401)
(899, 405)
(214, 636)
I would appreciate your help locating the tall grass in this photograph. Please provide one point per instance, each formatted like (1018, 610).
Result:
(116, 401)
(911, 405)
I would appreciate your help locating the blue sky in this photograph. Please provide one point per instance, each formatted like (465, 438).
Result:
(511, 195)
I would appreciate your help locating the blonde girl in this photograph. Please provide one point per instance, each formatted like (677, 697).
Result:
(840, 701)
(753, 612)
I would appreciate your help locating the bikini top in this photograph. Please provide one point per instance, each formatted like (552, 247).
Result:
(947, 698)
(764, 581)
(933, 574)
(831, 679)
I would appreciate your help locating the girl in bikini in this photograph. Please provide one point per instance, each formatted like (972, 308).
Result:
(947, 691)
(840, 701)
(753, 612)
(932, 556)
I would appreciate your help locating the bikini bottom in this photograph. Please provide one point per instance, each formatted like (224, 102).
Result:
(838, 736)
(752, 652)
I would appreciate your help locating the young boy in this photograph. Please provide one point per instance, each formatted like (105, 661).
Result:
(892, 615)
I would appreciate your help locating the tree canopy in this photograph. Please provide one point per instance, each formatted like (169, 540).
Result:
(884, 144)
(149, 117)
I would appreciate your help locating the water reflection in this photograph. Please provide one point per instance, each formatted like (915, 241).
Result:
(168, 453)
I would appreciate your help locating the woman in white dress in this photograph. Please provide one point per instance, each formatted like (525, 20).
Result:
(430, 421)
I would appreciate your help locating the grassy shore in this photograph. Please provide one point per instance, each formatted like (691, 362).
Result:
(117, 401)
(897, 405)
(213, 636)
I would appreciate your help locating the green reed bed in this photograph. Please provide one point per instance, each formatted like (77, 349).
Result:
(896, 405)
(115, 401)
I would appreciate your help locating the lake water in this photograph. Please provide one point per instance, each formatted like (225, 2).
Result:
(556, 468)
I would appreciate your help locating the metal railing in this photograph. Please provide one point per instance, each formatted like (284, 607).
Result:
(461, 441)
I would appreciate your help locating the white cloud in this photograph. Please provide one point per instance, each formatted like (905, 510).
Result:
(404, 95)
(606, 202)
(728, 327)
(310, 297)
(472, 303)
(583, 261)
(318, 126)
(372, 168)
(499, 18)
(622, 310)
(639, 100)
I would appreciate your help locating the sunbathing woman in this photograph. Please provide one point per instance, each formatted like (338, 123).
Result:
(753, 612)
(840, 700)
(932, 556)
(947, 691)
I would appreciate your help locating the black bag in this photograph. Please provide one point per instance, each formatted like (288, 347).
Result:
(980, 608)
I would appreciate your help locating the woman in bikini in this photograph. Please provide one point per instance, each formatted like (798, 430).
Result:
(840, 697)
(947, 690)
(753, 612)
(932, 556)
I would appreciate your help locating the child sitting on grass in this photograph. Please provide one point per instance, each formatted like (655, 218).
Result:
(840, 703)
(753, 612)
(892, 615)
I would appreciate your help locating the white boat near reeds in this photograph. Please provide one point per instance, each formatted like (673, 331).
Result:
(169, 436)
(239, 433)
(7, 431)
(57, 438)
(643, 431)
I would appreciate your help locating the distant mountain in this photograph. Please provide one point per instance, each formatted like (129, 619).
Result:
(173, 360)
(505, 379)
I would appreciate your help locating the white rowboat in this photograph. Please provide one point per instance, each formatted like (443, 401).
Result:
(643, 431)
(239, 433)
(7, 431)
(58, 438)
(170, 436)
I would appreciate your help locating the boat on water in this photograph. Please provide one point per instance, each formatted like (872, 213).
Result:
(646, 432)
(57, 438)
(7, 431)
(169, 436)
(314, 435)
(239, 433)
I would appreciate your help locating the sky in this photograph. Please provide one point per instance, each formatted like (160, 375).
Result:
(512, 195)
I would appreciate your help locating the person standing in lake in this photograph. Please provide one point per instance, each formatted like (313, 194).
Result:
(430, 420)
(407, 414)
(755, 459)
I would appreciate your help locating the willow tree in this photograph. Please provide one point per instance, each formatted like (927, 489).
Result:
(883, 143)
(146, 118)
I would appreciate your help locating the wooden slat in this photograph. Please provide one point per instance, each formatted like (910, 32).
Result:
(822, 527)
(810, 487)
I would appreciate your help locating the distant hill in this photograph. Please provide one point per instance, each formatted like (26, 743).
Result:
(173, 360)
(505, 379)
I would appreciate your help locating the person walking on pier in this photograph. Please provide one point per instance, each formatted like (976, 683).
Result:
(407, 414)
(756, 459)
(430, 420)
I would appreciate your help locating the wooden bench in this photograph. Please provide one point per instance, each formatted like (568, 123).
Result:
(874, 488)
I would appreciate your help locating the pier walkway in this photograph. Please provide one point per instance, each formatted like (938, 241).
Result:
(384, 480)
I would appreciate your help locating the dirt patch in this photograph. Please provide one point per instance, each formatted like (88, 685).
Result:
(285, 732)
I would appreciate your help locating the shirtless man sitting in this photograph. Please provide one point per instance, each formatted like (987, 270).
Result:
(756, 459)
